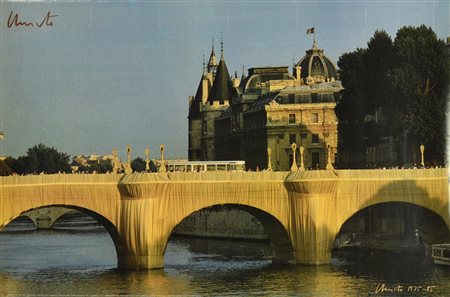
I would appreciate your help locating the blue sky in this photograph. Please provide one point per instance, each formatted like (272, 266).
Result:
(108, 74)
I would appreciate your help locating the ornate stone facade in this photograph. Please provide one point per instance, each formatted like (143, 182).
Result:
(240, 119)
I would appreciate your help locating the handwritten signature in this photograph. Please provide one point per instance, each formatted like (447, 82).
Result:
(383, 288)
(15, 21)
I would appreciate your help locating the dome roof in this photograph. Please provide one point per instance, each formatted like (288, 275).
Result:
(316, 67)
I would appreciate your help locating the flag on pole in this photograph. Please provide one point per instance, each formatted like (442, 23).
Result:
(310, 31)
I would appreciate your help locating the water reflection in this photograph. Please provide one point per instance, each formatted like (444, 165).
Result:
(83, 262)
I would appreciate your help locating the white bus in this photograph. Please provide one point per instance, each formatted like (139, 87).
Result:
(198, 166)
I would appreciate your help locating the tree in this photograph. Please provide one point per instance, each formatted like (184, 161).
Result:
(41, 158)
(18, 165)
(378, 60)
(138, 165)
(406, 82)
(419, 82)
(352, 107)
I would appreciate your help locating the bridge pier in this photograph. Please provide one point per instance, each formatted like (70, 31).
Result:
(140, 211)
(313, 215)
(313, 256)
(144, 233)
(313, 247)
(144, 262)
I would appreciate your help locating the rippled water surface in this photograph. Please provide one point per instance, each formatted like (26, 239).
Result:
(82, 261)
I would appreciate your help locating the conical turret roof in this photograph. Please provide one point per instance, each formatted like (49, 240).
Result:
(194, 109)
(222, 86)
(212, 63)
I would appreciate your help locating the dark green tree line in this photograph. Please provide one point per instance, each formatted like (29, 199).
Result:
(403, 85)
(39, 158)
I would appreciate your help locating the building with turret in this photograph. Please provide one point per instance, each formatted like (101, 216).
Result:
(232, 118)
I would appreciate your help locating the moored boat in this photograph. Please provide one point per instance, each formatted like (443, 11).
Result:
(441, 253)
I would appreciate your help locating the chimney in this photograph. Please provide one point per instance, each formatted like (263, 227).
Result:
(236, 80)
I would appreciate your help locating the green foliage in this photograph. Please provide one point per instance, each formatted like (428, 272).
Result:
(378, 61)
(18, 166)
(419, 82)
(40, 158)
(405, 81)
(138, 165)
(352, 107)
(47, 159)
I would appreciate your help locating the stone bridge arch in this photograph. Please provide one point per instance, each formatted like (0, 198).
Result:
(429, 192)
(159, 202)
(359, 189)
(323, 200)
(406, 212)
(94, 194)
(105, 222)
(46, 217)
(144, 208)
(280, 242)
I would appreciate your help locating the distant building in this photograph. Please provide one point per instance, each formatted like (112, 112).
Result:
(90, 160)
(240, 118)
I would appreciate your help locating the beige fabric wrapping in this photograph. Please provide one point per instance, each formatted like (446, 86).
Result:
(97, 193)
(311, 206)
(161, 204)
(324, 200)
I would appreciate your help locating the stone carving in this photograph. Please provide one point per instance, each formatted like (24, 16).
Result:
(422, 159)
(128, 169)
(275, 117)
(273, 103)
(269, 159)
(162, 166)
(147, 162)
(329, 165)
(294, 167)
(115, 161)
(302, 164)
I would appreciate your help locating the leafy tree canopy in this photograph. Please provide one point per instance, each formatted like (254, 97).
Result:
(40, 158)
(138, 165)
(405, 81)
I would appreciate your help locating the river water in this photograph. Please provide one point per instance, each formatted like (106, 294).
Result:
(81, 260)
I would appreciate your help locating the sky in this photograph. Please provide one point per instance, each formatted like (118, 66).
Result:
(110, 73)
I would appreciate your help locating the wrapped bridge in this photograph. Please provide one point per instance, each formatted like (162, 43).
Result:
(301, 211)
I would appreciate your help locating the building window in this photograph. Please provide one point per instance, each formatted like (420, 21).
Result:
(314, 117)
(315, 138)
(315, 159)
(314, 98)
(292, 118)
(291, 98)
(292, 138)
